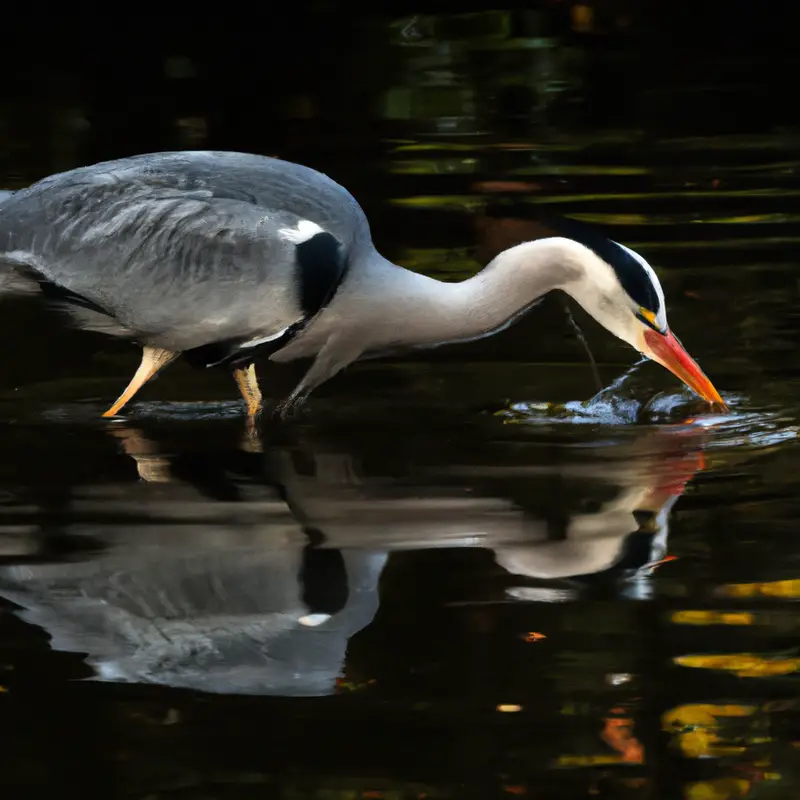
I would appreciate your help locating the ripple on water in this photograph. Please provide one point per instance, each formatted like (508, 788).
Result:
(616, 408)
(150, 410)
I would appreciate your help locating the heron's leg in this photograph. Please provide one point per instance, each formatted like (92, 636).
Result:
(288, 406)
(247, 382)
(333, 357)
(153, 359)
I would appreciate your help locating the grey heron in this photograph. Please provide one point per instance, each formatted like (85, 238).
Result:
(219, 256)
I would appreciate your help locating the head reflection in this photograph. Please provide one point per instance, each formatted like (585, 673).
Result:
(250, 572)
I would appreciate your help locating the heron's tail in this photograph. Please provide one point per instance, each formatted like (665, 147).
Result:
(4, 195)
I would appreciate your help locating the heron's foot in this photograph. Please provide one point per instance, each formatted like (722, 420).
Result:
(290, 406)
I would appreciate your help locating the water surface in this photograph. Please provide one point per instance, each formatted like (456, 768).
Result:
(468, 573)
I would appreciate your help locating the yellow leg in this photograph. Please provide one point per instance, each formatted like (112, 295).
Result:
(153, 359)
(248, 386)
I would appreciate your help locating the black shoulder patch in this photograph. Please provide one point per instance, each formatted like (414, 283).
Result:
(632, 275)
(214, 354)
(321, 268)
(233, 352)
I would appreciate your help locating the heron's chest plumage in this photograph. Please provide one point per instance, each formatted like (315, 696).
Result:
(319, 266)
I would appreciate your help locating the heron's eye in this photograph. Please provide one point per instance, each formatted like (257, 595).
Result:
(648, 318)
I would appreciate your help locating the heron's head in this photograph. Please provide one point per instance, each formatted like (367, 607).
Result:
(622, 292)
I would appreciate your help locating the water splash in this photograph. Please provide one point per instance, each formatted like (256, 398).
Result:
(617, 406)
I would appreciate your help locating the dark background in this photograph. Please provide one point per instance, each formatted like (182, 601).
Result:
(248, 63)
(693, 95)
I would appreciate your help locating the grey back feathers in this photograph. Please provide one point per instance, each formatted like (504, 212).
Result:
(181, 250)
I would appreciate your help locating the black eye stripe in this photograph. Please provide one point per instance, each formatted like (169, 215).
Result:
(631, 273)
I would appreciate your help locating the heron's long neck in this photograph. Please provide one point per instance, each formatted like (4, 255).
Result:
(381, 307)
(418, 311)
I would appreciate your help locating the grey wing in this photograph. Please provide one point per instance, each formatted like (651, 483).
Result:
(173, 268)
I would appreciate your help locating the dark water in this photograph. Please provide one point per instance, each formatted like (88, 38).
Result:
(463, 574)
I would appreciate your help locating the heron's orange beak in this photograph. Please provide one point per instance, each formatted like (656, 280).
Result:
(669, 352)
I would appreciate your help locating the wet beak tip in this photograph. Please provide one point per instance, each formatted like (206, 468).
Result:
(668, 351)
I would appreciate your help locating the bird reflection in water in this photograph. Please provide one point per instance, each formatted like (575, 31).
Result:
(257, 588)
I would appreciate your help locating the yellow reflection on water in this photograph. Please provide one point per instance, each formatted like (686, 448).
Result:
(700, 617)
(743, 665)
(719, 789)
(697, 729)
(787, 588)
